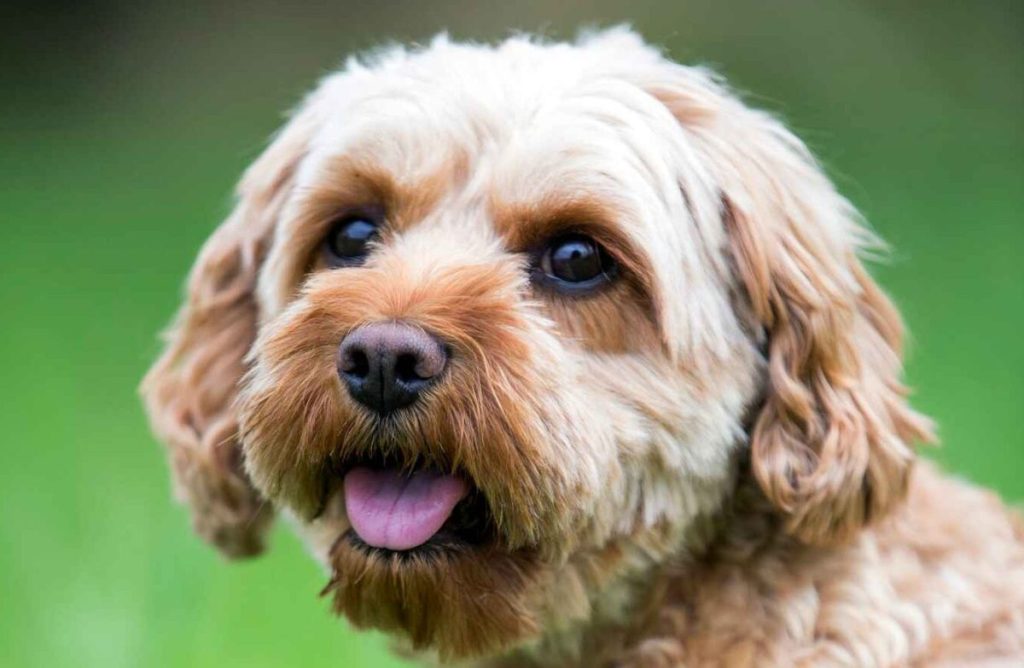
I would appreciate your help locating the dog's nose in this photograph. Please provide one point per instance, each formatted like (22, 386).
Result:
(386, 365)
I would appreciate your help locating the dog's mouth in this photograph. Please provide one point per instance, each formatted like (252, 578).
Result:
(393, 509)
(422, 554)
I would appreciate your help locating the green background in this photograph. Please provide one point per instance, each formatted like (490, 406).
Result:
(124, 126)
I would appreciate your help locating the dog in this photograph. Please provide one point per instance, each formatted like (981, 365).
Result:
(559, 354)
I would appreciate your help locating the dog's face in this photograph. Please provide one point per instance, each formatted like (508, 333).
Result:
(498, 326)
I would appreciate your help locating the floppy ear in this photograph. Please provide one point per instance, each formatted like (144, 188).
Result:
(832, 446)
(190, 390)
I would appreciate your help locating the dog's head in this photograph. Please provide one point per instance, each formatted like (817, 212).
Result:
(496, 326)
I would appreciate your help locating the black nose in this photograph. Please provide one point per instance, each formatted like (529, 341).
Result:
(386, 365)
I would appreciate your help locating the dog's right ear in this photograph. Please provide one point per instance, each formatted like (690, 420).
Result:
(190, 390)
(832, 446)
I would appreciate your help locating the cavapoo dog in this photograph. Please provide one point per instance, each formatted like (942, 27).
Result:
(560, 355)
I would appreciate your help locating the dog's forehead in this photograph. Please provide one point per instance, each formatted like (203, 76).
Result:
(521, 122)
(489, 89)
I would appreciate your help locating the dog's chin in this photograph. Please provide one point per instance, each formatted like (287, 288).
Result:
(461, 593)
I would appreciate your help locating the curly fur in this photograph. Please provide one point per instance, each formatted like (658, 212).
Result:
(711, 462)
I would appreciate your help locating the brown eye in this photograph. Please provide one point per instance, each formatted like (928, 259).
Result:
(576, 264)
(347, 243)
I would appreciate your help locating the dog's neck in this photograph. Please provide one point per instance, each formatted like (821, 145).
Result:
(650, 599)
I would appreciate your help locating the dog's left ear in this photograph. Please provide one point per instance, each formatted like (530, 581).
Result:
(832, 446)
(191, 389)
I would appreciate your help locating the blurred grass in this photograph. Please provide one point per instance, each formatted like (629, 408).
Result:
(123, 129)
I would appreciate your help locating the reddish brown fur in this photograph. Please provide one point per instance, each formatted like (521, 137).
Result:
(465, 308)
(191, 390)
(464, 602)
(831, 447)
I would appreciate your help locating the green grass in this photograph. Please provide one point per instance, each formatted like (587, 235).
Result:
(118, 159)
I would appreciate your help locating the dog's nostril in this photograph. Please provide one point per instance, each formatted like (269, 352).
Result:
(405, 368)
(356, 363)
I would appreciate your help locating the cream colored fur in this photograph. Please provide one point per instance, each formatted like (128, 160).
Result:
(706, 464)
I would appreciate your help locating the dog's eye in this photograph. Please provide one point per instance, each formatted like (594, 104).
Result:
(576, 264)
(347, 243)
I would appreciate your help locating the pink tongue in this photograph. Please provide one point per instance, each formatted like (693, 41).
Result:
(398, 512)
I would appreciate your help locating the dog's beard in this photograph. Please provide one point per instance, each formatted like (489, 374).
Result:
(458, 599)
